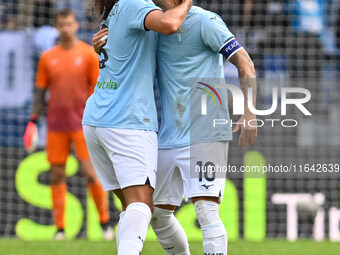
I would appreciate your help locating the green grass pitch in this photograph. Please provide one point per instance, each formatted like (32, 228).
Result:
(84, 247)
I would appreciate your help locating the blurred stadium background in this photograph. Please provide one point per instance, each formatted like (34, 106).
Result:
(289, 40)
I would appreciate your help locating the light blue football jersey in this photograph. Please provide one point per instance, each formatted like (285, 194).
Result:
(123, 96)
(184, 59)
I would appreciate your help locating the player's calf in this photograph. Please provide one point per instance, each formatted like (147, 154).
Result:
(58, 174)
(121, 197)
(134, 225)
(133, 228)
(88, 171)
(214, 233)
(169, 232)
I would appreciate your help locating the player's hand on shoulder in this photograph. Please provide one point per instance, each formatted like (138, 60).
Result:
(99, 39)
(170, 21)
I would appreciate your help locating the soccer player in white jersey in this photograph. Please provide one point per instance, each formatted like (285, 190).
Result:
(120, 119)
(185, 137)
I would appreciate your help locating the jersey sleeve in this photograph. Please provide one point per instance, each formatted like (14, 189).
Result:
(214, 31)
(42, 75)
(137, 12)
(93, 71)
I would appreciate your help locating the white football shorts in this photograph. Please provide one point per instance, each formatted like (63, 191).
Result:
(122, 157)
(188, 172)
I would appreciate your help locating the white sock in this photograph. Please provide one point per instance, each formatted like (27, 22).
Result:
(215, 239)
(133, 229)
(169, 232)
(121, 216)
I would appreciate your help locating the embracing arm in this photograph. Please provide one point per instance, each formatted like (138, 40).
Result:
(170, 21)
(167, 23)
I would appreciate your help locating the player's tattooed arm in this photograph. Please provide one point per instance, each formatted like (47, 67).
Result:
(246, 73)
(39, 101)
(169, 21)
(247, 76)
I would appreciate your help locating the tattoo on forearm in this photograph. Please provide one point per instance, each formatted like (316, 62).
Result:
(246, 72)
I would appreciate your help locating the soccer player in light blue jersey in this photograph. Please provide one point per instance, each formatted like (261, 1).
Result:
(195, 53)
(120, 119)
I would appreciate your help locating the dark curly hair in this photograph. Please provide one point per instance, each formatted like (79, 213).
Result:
(103, 7)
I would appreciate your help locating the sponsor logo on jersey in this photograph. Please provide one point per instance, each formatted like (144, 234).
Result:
(106, 85)
(146, 120)
(180, 33)
(207, 186)
(79, 61)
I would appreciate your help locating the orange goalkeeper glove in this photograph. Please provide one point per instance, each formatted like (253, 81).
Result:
(31, 135)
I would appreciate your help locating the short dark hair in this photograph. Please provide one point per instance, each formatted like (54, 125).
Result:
(63, 13)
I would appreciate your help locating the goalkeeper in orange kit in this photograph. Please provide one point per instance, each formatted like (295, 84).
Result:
(69, 72)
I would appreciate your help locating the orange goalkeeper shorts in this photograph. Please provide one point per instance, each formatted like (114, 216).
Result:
(59, 146)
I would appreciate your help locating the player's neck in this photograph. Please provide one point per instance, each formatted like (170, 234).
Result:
(68, 43)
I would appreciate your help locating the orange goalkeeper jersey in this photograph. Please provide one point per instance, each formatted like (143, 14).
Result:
(70, 77)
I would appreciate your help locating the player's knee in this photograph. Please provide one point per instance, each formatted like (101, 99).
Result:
(142, 194)
(208, 216)
(167, 207)
(57, 174)
(147, 199)
(141, 208)
(88, 171)
(91, 178)
(169, 232)
(123, 202)
(161, 219)
(213, 199)
(121, 197)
